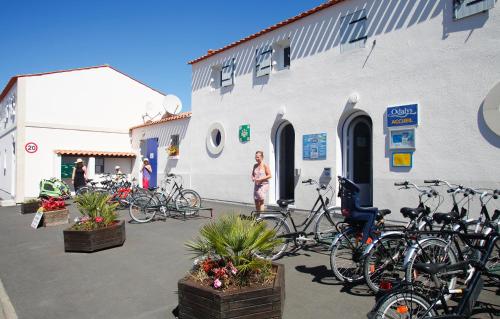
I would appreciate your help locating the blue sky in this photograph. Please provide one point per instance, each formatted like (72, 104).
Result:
(149, 40)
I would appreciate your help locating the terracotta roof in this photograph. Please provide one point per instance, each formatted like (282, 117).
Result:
(94, 153)
(13, 79)
(180, 116)
(269, 29)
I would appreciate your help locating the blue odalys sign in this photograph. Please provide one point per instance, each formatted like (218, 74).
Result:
(402, 115)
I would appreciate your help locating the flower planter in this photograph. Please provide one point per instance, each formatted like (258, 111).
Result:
(196, 301)
(93, 240)
(29, 208)
(56, 217)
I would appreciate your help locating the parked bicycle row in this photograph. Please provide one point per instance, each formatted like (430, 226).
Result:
(418, 265)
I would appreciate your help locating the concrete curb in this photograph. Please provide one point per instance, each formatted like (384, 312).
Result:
(6, 308)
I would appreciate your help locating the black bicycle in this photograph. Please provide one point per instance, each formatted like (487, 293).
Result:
(320, 215)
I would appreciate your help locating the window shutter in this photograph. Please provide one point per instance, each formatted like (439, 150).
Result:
(263, 59)
(227, 74)
(353, 30)
(465, 8)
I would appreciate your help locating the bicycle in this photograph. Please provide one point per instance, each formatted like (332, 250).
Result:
(144, 207)
(409, 302)
(320, 214)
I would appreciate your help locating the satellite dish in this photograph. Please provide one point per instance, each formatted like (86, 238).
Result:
(172, 104)
(151, 112)
(491, 109)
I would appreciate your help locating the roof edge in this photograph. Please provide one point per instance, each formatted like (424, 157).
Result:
(180, 116)
(278, 25)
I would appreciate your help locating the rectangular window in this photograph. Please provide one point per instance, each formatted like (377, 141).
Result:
(286, 57)
(173, 148)
(99, 165)
(353, 31)
(227, 74)
(466, 8)
(263, 59)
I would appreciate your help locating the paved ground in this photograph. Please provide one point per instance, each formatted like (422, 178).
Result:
(139, 280)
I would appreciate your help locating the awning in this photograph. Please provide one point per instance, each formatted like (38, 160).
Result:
(94, 153)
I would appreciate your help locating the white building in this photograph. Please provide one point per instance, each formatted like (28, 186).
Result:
(50, 119)
(334, 70)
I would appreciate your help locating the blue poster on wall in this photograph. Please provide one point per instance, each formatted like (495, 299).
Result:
(402, 115)
(314, 147)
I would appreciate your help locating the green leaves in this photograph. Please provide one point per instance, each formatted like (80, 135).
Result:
(237, 240)
(96, 204)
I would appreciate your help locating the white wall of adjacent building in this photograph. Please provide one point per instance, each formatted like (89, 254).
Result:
(8, 136)
(415, 53)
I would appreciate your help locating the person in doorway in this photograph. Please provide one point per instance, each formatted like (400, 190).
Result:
(118, 173)
(260, 176)
(146, 173)
(79, 175)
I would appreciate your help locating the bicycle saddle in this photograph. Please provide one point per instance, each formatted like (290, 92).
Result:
(444, 218)
(411, 213)
(285, 202)
(152, 188)
(432, 268)
(381, 213)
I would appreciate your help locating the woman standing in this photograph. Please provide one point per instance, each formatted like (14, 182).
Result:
(260, 176)
(146, 173)
(79, 175)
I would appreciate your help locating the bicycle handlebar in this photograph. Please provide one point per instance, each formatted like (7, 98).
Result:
(307, 181)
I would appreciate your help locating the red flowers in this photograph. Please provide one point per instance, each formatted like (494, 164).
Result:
(53, 203)
(219, 271)
(99, 219)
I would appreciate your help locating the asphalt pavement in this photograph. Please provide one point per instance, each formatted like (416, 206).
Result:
(139, 279)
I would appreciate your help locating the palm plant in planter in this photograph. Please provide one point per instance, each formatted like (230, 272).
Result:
(228, 270)
(98, 227)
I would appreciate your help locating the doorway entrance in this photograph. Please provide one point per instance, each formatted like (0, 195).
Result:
(357, 159)
(149, 150)
(285, 160)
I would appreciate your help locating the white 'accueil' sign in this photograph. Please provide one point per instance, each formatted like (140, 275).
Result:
(37, 219)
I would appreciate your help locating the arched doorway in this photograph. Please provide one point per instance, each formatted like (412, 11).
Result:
(285, 161)
(357, 159)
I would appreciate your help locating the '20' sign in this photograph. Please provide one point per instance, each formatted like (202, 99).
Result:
(31, 147)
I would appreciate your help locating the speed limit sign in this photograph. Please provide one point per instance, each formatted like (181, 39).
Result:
(31, 147)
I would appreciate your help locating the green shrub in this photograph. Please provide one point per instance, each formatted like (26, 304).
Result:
(96, 210)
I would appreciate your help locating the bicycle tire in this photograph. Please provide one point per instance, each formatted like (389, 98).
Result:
(405, 304)
(431, 251)
(349, 248)
(281, 228)
(324, 230)
(188, 201)
(142, 209)
(383, 265)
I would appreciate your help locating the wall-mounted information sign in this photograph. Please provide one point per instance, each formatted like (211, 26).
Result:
(314, 147)
(402, 138)
(244, 133)
(402, 115)
(402, 159)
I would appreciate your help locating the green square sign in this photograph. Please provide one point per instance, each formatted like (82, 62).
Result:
(244, 133)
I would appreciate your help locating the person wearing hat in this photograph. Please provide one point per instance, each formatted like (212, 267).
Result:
(146, 173)
(118, 173)
(79, 176)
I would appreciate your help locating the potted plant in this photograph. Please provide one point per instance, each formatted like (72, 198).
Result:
(228, 279)
(54, 212)
(30, 206)
(173, 151)
(97, 228)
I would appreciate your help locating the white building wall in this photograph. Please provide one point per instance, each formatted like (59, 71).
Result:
(8, 106)
(163, 131)
(420, 56)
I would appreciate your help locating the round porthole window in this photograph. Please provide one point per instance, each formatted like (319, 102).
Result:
(216, 138)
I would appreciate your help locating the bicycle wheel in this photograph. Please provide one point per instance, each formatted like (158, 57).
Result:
(346, 256)
(142, 209)
(431, 251)
(188, 201)
(383, 266)
(325, 230)
(401, 305)
(83, 190)
(281, 228)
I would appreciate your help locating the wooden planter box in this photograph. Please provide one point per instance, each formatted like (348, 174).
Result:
(29, 208)
(93, 240)
(56, 217)
(196, 301)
